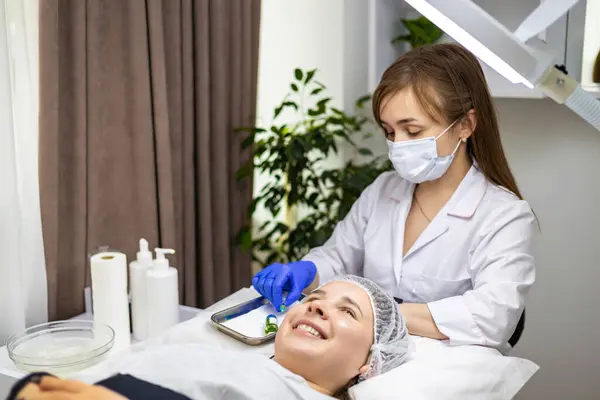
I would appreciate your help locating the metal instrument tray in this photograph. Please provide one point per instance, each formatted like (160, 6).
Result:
(218, 318)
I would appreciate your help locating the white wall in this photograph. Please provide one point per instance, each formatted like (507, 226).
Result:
(327, 35)
(307, 34)
(556, 159)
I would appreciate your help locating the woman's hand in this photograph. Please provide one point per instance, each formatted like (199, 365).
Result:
(52, 388)
(276, 278)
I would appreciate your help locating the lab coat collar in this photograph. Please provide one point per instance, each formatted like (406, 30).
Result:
(469, 194)
(466, 198)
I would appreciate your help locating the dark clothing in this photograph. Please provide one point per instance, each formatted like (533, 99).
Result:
(126, 385)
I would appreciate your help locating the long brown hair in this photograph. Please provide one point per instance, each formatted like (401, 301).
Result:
(448, 82)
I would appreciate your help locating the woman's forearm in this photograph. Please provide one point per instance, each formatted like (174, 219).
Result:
(419, 321)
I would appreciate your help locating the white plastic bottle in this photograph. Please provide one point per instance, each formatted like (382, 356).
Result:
(137, 286)
(162, 294)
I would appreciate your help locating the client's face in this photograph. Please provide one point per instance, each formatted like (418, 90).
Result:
(327, 338)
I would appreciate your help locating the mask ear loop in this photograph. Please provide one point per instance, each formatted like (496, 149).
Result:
(463, 140)
(446, 130)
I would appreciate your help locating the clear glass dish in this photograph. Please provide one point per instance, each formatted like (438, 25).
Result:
(61, 347)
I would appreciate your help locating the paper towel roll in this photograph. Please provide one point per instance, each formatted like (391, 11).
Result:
(109, 294)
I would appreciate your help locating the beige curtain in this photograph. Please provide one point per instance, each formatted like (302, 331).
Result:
(139, 99)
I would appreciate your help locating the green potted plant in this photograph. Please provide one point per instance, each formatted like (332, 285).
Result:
(421, 31)
(295, 156)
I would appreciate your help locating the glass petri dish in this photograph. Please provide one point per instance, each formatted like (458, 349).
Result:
(61, 347)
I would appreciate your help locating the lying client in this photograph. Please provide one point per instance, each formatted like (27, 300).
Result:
(346, 331)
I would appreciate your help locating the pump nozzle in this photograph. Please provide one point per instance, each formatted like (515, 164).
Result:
(161, 261)
(144, 255)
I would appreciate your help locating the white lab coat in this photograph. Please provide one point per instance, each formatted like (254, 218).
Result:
(473, 264)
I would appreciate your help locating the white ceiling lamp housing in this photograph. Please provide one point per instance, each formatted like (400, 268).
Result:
(506, 52)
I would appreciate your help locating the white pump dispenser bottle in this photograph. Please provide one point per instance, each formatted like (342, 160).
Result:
(163, 294)
(137, 288)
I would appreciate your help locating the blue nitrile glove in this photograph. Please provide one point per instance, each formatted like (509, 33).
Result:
(293, 278)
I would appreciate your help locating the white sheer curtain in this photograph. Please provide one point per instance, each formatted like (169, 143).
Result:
(23, 290)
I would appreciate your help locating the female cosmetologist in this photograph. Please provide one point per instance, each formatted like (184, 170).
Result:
(448, 231)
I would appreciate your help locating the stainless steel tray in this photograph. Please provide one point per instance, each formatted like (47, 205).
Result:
(219, 317)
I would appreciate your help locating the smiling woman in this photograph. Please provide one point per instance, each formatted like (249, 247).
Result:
(330, 320)
(311, 361)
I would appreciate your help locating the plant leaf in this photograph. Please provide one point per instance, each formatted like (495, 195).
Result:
(252, 207)
(323, 102)
(365, 152)
(244, 238)
(249, 129)
(421, 31)
(244, 171)
(362, 100)
(401, 38)
(315, 112)
(298, 74)
(290, 104)
(247, 142)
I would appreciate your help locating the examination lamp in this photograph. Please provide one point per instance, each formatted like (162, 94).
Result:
(507, 52)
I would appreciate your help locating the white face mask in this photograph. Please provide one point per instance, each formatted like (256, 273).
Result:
(417, 160)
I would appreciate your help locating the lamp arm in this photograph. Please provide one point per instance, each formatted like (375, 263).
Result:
(585, 105)
(563, 89)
